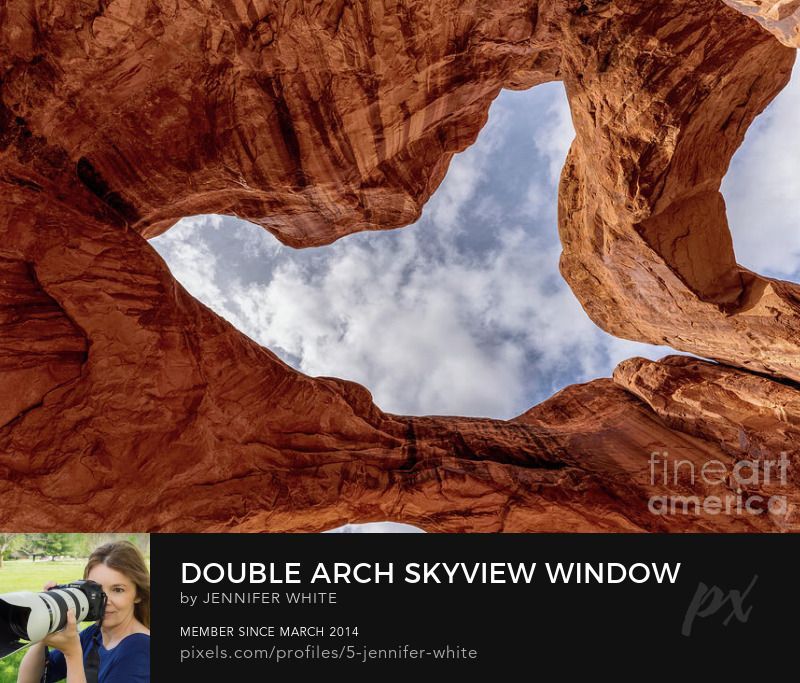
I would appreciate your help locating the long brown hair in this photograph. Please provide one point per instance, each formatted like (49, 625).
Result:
(126, 558)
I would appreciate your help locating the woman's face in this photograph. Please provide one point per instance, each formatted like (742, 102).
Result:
(121, 592)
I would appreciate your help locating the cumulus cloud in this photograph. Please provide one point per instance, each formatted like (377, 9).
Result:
(762, 190)
(463, 313)
(554, 136)
(193, 262)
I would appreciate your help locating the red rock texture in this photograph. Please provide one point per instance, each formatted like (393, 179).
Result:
(40, 349)
(126, 404)
(779, 17)
(658, 113)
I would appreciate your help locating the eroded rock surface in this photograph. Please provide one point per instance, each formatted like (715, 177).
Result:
(129, 405)
(779, 17)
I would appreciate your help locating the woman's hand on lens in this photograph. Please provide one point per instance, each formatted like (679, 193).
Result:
(49, 585)
(67, 639)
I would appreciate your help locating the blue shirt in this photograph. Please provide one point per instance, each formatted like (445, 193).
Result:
(127, 662)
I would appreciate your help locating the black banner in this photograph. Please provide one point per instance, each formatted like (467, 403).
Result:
(243, 606)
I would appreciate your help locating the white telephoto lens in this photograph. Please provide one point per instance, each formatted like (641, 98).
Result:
(37, 623)
(59, 600)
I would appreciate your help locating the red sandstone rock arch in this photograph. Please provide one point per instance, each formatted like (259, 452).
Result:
(127, 404)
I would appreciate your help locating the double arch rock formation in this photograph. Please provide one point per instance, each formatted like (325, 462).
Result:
(125, 403)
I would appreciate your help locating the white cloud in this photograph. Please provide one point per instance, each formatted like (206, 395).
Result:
(466, 173)
(554, 135)
(376, 528)
(762, 190)
(391, 318)
(464, 313)
(193, 262)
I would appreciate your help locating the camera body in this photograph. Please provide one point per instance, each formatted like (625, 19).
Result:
(33, 616)
(95, 598)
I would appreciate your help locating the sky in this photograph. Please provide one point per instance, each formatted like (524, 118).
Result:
(462, 313)
(762, 190)
(465, 312)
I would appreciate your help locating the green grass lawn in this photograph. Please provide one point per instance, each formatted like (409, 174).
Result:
(24, 575)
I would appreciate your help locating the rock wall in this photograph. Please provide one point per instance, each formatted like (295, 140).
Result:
(126, 404)
(779, 17)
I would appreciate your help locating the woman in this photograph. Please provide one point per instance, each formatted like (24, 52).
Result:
(117, 647)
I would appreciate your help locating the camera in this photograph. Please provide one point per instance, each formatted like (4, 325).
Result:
(26, 616)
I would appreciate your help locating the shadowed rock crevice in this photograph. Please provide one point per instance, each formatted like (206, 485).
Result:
(40, 349)
(143, 409)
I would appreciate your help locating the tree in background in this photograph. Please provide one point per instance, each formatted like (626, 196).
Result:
(59, 545)
(54, 545)
(86, 543)
(8, 542)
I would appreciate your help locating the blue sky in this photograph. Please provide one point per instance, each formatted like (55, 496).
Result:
(465, 312)
(762, 190)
